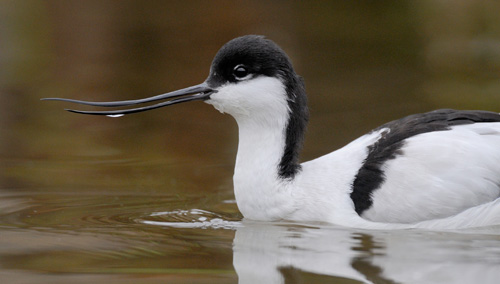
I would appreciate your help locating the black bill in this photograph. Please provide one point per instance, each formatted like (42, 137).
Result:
(199, 92)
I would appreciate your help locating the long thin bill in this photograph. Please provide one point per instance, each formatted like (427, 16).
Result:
(194, 93)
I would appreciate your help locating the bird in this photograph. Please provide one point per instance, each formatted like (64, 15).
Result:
(437, 170)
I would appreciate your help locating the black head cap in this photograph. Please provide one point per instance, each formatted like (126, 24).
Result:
(254, 55)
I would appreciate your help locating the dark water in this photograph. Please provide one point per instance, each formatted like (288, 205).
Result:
(147, 198)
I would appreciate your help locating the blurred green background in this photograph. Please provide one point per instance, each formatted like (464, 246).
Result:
(364, 62)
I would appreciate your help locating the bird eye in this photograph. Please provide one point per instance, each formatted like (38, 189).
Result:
(240, 72)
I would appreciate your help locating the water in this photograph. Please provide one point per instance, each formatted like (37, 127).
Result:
(108, 237)
(148, 198)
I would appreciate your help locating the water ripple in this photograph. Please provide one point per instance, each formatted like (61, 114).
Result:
(191, 219)
(91, 212)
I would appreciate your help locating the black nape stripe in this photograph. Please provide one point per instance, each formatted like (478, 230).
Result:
(371, 175)
(289, 165)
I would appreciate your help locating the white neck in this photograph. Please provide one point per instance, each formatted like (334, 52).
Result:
(261, 110)
(260, 192)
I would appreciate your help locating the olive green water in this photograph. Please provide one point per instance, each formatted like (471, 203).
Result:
(147, 198)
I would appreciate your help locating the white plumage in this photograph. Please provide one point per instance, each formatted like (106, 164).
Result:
(446, 179)
(440, 174)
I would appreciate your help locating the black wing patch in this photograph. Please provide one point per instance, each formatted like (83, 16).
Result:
(370, 176)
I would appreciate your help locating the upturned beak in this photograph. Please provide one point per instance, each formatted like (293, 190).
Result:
(199, 92)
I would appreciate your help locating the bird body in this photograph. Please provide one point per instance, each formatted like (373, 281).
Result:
(439, 174)
(439, 169)
(436, 175)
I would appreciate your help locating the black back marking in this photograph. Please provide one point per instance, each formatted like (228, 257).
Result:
(371, 176)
